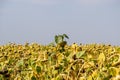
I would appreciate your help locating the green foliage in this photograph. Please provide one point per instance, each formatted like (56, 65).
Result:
(33, 78)
(59, 39)
(38, 69)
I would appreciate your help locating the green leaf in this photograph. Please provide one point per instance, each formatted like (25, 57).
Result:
(63, 43)
(65, 36)
(56, 38)
(79, 54)
(20, 63)
(33, 78)
(38, 69)
(1, 77)
(60, 38)
(51, 44)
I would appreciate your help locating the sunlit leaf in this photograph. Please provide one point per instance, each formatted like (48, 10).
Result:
(101, 58)
(114, 71)
(79, 54)
(89, 78)
(20, 62)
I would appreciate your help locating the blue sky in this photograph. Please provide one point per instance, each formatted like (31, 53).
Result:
(84, 21)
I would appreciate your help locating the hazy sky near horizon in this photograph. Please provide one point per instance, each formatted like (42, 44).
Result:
(84, 21)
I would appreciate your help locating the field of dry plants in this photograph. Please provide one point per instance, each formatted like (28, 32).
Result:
(59, 61)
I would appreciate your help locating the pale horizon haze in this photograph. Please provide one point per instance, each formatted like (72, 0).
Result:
(84, 21)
